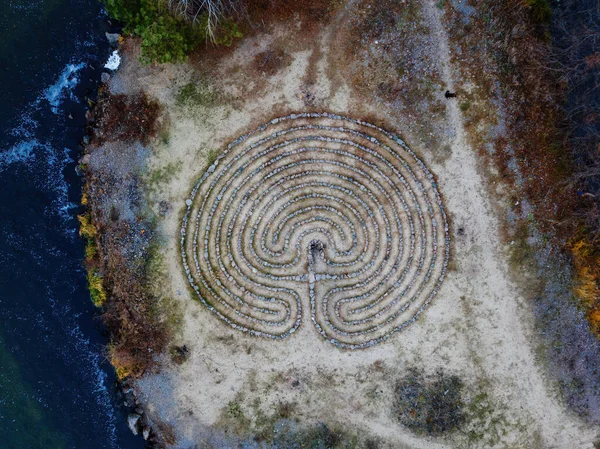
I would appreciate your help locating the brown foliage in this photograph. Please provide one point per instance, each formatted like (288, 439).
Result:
(137, 334)
(271, 61)
(310, 12)
(126, 118)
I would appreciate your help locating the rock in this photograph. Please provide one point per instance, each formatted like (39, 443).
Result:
(188, 202)
(132, 421)
(104, 77)
(89, 116)
(113, 39)
(86, 140)
(146, 433)
(85, 160)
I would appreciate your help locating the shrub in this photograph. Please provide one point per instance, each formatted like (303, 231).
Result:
(97, 292)
(91, 249)
(432, 405)
(540, 10)
(127, 118)
(166, 38)
(86, 228)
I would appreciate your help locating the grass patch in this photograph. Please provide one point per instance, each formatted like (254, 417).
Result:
(198, 93)
(163, 174)
(211, 156)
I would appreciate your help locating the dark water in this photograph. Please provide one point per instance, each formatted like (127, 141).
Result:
(56, 389)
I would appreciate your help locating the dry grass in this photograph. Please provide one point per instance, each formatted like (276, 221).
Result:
(586, 258)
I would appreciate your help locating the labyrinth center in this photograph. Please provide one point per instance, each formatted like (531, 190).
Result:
(320, 215)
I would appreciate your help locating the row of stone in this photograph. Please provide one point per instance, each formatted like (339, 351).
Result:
(245, 279)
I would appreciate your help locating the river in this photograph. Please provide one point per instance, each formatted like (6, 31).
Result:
(56, 389)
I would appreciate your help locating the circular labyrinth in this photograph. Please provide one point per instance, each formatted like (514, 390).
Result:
(316, 214)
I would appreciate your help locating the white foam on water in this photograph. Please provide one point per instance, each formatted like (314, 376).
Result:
(89, 363)
(68, 79)
(55, 181)
(21, 152)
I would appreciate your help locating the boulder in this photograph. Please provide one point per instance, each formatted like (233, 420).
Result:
(133, 422)
(146, 433)
(113, 39)
(105, 77)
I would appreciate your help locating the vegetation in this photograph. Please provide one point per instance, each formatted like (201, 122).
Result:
(552, 138)
(97, 292)
(197, 93)
(432, 406)
(86, 228)
(540, 10)
(165, 30)
(126, 118)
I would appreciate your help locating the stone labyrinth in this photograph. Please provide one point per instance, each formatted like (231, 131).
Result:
(319, 214)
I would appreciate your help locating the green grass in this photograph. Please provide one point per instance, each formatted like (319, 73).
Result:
(163, 174)
(211, 156)
(197, 93)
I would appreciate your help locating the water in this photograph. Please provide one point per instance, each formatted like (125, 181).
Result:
(56, 389)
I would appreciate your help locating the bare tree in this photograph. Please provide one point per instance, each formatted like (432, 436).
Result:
(216, 11)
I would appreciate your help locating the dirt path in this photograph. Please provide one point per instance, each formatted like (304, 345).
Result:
(500, 331)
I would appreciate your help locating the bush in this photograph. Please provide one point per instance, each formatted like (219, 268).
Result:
(431, 406)
(166, 38)
(540, 10)
(86, 228)
(97, 292)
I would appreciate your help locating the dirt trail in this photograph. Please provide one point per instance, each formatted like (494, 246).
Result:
(557, 428)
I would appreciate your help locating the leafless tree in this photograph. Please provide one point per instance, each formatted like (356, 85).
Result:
(216, 11)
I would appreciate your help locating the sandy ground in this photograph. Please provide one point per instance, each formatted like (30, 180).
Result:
(478, 327)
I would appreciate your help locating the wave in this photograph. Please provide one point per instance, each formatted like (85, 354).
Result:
(23, 151)
(68, 79)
